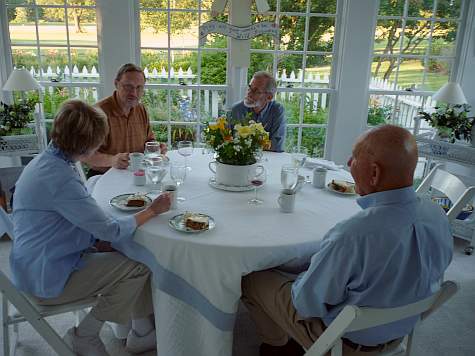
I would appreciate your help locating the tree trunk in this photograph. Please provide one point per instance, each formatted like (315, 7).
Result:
(77, 23)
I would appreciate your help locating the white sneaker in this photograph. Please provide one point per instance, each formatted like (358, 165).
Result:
(85, 345)
(138, 344)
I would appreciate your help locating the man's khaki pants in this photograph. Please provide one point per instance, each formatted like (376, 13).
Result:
(122, 284)
(267, 296)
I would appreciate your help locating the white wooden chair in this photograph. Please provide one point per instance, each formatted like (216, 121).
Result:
(27, 310)
(6, 225)
(459, 194)
(353, 318)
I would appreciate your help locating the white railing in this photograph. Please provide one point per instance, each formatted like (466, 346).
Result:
(406, 109)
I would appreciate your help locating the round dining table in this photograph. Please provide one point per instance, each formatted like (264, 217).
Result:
(197, 276)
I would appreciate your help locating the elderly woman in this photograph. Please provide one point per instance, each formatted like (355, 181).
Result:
(56, 221)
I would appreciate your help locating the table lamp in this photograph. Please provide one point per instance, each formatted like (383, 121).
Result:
(21, 80)
(450, 93)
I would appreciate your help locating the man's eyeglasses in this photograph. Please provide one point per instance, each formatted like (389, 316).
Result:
(130, 88)
(255, 90)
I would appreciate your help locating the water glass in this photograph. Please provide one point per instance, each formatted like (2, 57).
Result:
(288, 176)
(152, 151)
(156, 173)
(299, 156)
(178, 175)
(185, 149)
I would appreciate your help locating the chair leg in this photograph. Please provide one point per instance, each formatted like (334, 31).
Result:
(410, 338)
(5, 327)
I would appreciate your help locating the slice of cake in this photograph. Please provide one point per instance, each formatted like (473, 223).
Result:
(196, 221)
(136, 200)
(342, 186)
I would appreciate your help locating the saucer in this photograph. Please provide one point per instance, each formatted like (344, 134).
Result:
(230, 188)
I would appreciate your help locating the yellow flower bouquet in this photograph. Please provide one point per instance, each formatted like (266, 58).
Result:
(236, 145)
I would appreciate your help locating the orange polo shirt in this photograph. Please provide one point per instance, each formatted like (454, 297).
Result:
(127, 133)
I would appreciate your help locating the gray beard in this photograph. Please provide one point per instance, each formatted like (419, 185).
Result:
(249, 104)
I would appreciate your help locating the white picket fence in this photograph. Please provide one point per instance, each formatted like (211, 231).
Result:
(405, 107)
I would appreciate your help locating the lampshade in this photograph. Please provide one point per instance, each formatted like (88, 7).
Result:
(450, 93)
(21, 80)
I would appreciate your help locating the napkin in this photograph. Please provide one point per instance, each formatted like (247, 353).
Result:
(318, 162)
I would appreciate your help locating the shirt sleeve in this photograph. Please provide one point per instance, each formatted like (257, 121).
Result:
(74, 203)
(324, 284)
(277, 133)
(150, 133)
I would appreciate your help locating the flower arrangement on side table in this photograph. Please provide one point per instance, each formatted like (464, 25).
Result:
(451, 121)
(15, 117)
(236, 145)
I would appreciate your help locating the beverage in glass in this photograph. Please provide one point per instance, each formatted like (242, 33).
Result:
(178, 175)
(299, 156)
(156, 173)
(152, 151)
(185, 148)
(256, 177)
(288, 176)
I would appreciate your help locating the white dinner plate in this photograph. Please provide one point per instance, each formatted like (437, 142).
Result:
(178, 223)
(120, 202)
(230, 188)
(330, 188)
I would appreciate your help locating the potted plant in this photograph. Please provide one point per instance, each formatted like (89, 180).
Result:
(236, 149)
(451, 121)
(15, 135)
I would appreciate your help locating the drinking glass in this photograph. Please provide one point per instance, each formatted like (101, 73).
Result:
(178, 175)
(299, 156)
(152, 151)
(185, 148)
(288, 176)
(156, 172)
(256, 177)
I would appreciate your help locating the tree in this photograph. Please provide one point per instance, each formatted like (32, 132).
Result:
(76, 14)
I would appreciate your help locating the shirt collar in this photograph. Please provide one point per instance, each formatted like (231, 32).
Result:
(263, 112)
(394, 196)
(55, 151)
(116, 108)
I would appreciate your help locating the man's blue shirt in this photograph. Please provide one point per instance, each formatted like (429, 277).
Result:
(392, 253)
(55, 219)
(272, 117)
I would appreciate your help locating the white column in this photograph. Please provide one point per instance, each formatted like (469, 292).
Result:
(466, 65)
(119, 43)
(239, 55)
(350, 107)
(6, 66)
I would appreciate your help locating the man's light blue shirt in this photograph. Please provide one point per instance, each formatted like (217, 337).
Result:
(272, 117)
(55, 219)
(392, 253)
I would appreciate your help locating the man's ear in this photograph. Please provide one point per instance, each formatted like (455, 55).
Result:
(375, 178)
(116, 83)
(269, 97)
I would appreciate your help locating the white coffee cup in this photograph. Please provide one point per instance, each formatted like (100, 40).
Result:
(286, 200)
(171, 189)
(135, 161)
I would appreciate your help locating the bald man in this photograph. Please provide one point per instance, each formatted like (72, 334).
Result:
(393, 252)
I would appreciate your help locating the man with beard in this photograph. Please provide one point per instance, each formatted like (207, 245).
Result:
(259, 105)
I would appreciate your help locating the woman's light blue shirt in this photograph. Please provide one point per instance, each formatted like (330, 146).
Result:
(392, 253)
(55, 219)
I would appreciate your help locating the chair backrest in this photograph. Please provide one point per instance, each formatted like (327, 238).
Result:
(450, 185)
(6, 224)
(353, 318)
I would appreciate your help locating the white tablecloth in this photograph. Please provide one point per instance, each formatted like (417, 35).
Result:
(198, 276)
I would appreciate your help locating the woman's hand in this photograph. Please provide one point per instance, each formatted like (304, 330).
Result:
(160, 205)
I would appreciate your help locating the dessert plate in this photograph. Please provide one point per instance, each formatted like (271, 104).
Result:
(178, 223)
(120, 202)
(230, 188)
(350, 192)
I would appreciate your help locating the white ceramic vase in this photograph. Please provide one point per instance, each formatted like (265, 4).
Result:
(231, 175)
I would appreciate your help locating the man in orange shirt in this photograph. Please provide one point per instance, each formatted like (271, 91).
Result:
(129, 125)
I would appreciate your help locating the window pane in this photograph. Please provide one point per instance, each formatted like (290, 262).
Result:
(82, 26)
(317, 73)
(161, 132)
(316, 108)
(321, 34)
(416, 34)
(183, 105)
(51, 26)
(155, 100)
(448, 8)
(155, 64)
(383, 73)
(388, 37)
(323, 7)
(380, 109)
(438, 73)
(313, 139)
(184, 4)
(184, 29)
(22, 25)
(213, 67)
(183, 133)
(260, 61)
(212, 104)
(391, 7)
(293, 6)
(292, 65)
(86, 60)
(153, 28)
(54, 59)
(420, 8)
(181, 61)
(444, 39)
(24, 57)
(292, 30)
(264, 41)
(291, 102)
(53, 97)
